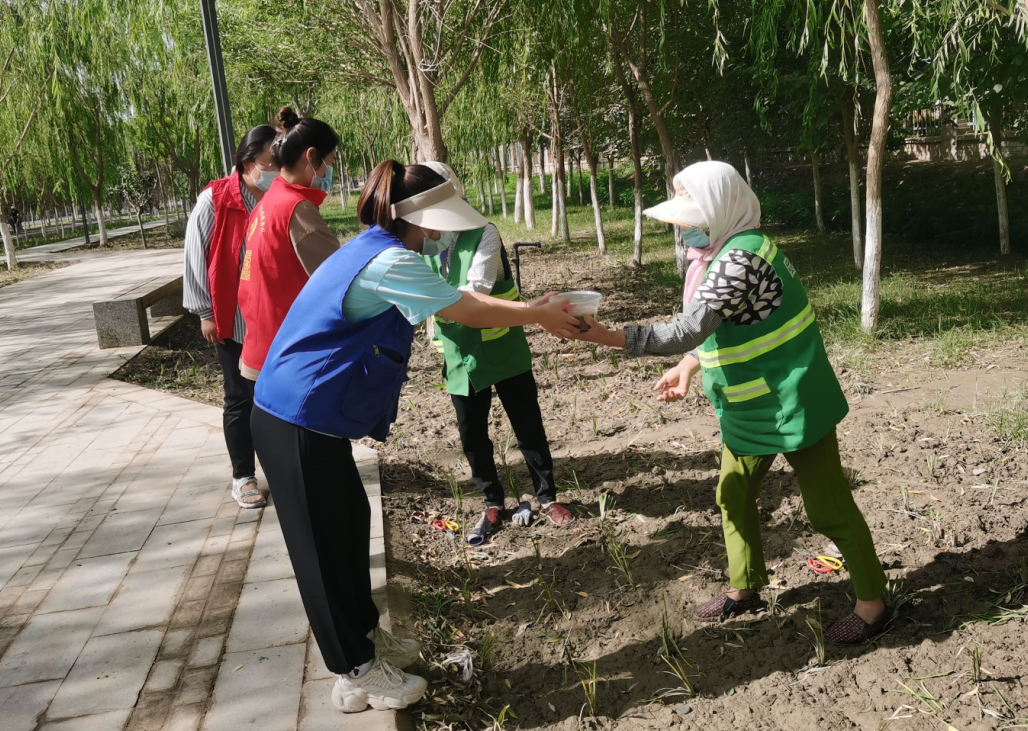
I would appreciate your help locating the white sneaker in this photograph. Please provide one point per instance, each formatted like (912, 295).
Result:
(398, 652)
(384, 688)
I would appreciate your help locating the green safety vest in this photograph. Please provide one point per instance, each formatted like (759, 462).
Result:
(472, 358)
(771, 382)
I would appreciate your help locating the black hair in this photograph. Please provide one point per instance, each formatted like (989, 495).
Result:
(389, 183)
(252, 145)
(298, 135)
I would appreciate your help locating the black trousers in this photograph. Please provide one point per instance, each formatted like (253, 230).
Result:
(236, 415)
(326, 523)
(520, 398)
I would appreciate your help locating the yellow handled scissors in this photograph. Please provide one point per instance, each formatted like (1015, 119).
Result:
(446, 525)
(820, 564)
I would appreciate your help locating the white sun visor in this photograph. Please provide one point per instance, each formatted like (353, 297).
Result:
(440, 209)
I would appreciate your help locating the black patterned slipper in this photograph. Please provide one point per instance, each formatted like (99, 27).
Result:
(852, 630)
(724, 607)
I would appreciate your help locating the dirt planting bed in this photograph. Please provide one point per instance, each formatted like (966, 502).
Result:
(580, 627)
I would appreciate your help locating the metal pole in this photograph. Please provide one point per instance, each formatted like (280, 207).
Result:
(221, 107)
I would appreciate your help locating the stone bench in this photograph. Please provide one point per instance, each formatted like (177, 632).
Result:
(122, 321)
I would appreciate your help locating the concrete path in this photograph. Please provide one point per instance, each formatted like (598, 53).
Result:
(47, 251)
(134, 593)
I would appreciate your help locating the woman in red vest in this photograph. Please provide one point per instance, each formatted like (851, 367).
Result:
(286, 237)
(213, 256)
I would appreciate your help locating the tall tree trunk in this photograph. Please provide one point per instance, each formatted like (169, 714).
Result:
(526, 161)
(581, 198)
(487, 165)
(999, 174)
(142, 231)
(344, 183)
(849, 134)
(9, 249)
(818, 202)
(610, 178)
(746, 163)
(519, 184)
(560, 190)
(481, 191)
(542, 167)
(100, 222)
(875, 165)
(555, 197)
(601, 239)
(501, 171)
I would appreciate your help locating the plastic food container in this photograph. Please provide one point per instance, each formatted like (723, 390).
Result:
(581, 303)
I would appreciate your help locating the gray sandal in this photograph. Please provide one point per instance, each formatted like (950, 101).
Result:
(240, 496)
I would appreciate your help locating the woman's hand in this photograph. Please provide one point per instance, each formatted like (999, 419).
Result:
(552, 318)
(541, 300)
(597, 333)
(674, 384)
(210, 332)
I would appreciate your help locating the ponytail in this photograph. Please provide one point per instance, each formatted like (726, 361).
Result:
(389, 183)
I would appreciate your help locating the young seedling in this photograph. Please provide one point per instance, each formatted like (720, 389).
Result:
(596, 429)
(606, 504)
(922, 694)
(932, 459)
(500, 718)
(594, 353)
(976, 665)
(896, 594)
(612, 358)
(672, 656)
(589, 679)
(613, 547)
(817, 632)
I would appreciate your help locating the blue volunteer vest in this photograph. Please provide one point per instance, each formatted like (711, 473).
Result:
(327, 374)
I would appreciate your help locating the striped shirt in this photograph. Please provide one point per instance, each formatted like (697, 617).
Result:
(196, 289)
(485, 264)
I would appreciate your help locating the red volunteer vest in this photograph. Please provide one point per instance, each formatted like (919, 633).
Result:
(223, 257)
(271, 275)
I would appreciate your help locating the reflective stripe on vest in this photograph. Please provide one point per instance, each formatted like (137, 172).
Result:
(492, 333)
(746, 391)
(748, 351)
(768, 251)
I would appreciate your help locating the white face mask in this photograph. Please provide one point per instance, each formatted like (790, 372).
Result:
(433, 247)
(264, 178)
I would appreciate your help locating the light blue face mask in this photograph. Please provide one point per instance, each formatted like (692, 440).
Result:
(264, 180)
(323, 182)
(433, 247)
(694, 238)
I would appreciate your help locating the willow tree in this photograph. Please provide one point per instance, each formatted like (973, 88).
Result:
(425, 51)
(25, 78)
(87, 44)
(979, 64)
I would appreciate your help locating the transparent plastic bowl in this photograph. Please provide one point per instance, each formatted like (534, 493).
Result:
(581, 303)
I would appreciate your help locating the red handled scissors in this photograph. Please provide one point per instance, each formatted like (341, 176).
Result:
(446, 525)
(820, 564)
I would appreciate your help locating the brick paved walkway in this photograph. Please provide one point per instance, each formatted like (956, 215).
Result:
(134, 593)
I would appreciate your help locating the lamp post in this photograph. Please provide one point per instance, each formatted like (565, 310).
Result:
(221, 107)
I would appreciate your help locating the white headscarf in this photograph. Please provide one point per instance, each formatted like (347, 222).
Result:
(728, 206)
(727, 203)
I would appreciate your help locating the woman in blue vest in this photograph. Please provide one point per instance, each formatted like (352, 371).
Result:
(747, 322)
(334, 373)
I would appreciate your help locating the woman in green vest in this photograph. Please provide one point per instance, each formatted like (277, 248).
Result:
(747, 323)
(475, 362)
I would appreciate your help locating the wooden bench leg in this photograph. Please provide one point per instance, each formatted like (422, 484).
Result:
(120, 323)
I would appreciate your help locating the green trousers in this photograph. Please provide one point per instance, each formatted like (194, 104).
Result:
(829, 504)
